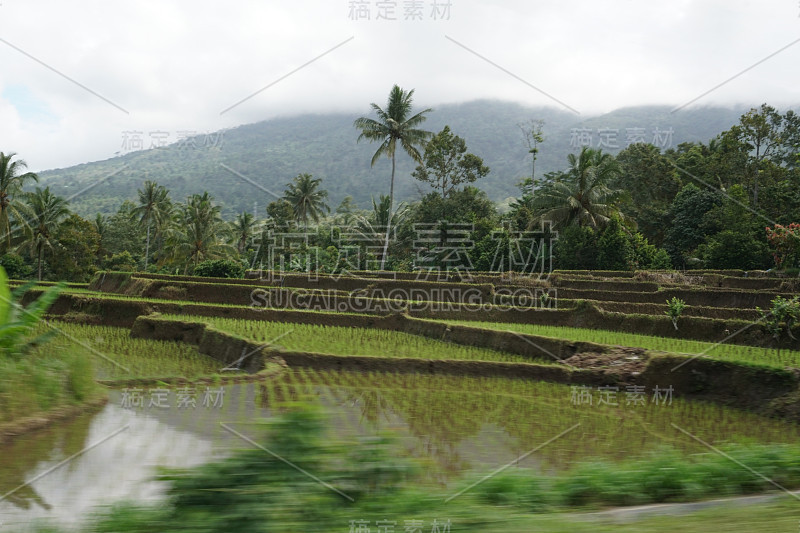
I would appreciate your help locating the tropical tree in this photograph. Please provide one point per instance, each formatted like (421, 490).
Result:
(306, 198)
(12, 178)
(244, 227)
(199, 232)
(100, 224)
(47, 211)
(533, 132)
(581, 195)
(446, 163)
(154, 209)
(394, 125)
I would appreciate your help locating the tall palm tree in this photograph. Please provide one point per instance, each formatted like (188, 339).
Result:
(306, 198)
(395, 124)
(47, 211)
(580, 195)
(12, 178)
(153, 210)
(199, 232)
(244, 227)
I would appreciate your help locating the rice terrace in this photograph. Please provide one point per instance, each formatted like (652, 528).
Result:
(640, 406)
(426, 266)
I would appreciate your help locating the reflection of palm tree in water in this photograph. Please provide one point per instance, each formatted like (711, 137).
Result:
(23, 455)
(372, 403)
(429, 416)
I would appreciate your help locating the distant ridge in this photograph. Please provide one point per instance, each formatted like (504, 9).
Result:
(264, 156)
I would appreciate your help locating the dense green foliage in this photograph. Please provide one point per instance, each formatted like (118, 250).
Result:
(220, 268)
(34, 376)
(695, 205)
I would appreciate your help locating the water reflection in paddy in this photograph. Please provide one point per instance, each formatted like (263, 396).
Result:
(454, 424)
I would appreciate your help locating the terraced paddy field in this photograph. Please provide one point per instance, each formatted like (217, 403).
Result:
(716, 350)
(352, 341)
(598, 439)
(465, 423)
(118, 356)
(458, 428)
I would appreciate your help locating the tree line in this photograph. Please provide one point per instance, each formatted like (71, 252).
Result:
(730, 203)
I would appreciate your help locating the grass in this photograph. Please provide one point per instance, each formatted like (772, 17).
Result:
(116, 355)
(351, 341)
(727, 352)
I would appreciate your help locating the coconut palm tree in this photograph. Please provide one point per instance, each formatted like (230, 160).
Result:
(306, 199)
(47, 211)
(12, 179)
(153, 210)
(199, 232)
(395, 125)
(580, 195)
(244, 227)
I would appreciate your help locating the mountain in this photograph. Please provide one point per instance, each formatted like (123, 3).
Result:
(262, 157)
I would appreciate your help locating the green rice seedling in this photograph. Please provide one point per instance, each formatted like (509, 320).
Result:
(116, 355)
(353, 341)
(727, 352)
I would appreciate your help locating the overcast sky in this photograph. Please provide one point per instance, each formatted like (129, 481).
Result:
(75, 75)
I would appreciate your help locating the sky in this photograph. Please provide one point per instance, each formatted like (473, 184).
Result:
(75, 76)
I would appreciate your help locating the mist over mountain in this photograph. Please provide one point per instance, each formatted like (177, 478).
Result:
(247, 167)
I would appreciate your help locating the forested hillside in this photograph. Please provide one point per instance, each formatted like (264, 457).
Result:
(269, 154)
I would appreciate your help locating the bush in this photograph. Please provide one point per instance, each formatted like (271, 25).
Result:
(785, 243)
(732, 250)
(15, 266)
(220, 268)
(647, 256)
(576, 249)
(783, 316)
(121, 262)
(675, 307)
(614, 247)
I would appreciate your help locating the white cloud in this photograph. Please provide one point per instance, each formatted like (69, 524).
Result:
(174, 65)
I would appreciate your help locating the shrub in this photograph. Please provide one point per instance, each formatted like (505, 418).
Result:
(614, 248)
(646, 256)
(121, 262)
(731, 249)
(576, 249)
(675, 307)
(783, 316)
(220, 268)
(15, 266)
(785, 242)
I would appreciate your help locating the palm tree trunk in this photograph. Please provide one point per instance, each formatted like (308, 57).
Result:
(6, 227)
(147, 247)
(39, 263)
(389, 217)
